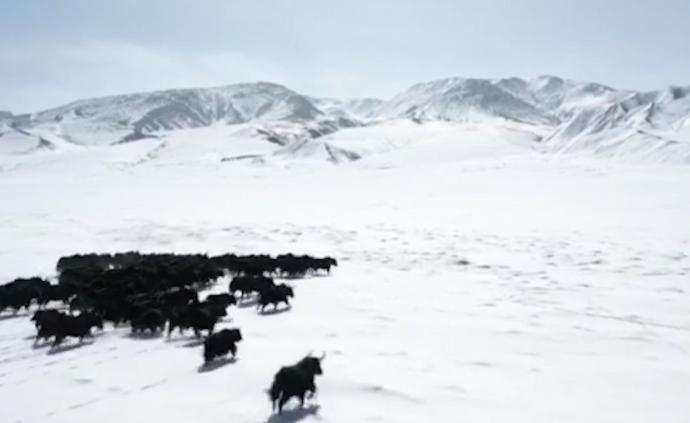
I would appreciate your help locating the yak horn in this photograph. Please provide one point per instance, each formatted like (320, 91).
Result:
(323, 356)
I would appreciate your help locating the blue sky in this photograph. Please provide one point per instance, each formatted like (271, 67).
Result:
(53, 52)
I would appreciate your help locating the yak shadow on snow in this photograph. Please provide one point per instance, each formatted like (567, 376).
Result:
(274, 311)
(65, 348)
(144, 336)
(294, 415)
(181, 338)
(216, 364)
(295, 277)
(40, 345)
(193, 343)
(251, 302)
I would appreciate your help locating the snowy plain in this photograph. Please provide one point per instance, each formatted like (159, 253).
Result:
(476, 283)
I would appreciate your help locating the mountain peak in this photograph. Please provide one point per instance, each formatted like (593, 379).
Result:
(466, 99)
(107, 120)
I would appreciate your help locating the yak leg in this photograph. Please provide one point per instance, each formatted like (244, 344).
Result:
(283, 399)
(312, 391)
(301, 400)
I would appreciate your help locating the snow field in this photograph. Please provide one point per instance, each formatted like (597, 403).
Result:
(497, 288)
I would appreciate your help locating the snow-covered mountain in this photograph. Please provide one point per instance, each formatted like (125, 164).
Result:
(566, 116)
(352, 108)
(543, 100)
(652, 125)
(578, 116)
(114, 119)
(458, 99)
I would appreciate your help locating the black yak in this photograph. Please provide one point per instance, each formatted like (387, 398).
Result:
(250, 284)
(223, 300)
(61, 293)
(180, 297)
(324, 264)
(194, 316)
(42, 317)
(151, 320)
(220, 343)
(213, 308)
(76, 327)
(295, 381)
(276, 295)
(47, 323)
(20, 293)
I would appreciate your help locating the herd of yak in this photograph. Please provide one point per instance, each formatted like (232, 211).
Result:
(153, 291)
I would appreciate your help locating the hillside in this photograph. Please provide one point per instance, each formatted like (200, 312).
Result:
(110, 120)
(561, 116)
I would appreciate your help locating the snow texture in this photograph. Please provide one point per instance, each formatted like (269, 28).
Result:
(480, 283)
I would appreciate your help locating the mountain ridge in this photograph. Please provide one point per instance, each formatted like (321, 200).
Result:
(577, 116)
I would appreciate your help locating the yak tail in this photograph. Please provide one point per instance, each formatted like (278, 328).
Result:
(274, 392)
